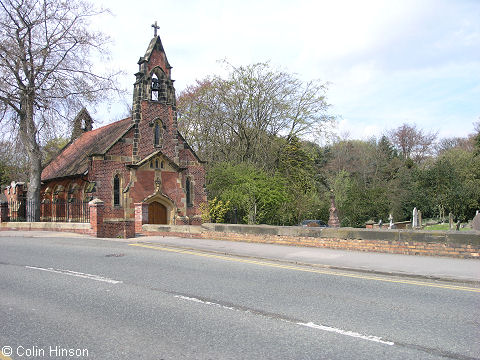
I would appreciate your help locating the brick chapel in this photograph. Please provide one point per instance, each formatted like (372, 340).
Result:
(140, 159)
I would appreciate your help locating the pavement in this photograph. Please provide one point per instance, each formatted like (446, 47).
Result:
(429, 267)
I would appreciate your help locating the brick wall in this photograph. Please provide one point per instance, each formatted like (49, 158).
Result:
(451, 244)
(15, 191)
(124, 146)
(393, 247)
(118, 228)
(141, 216)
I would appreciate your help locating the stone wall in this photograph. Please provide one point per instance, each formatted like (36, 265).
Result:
(433, 243)
(411, 242)
(79, 228)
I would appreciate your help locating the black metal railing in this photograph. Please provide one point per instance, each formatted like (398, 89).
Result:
(58, 211)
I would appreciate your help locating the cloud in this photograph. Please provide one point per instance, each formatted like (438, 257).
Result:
(388, 61)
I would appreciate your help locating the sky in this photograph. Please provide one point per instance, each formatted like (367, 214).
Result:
(387, 62)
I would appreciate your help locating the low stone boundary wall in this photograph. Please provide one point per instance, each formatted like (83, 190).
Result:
(80, 228)
(411, 242)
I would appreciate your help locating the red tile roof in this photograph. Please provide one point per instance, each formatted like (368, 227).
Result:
(73, 159)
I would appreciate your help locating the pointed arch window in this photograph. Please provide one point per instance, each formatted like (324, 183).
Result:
(188, 191)
(116, 190)
(157, 133)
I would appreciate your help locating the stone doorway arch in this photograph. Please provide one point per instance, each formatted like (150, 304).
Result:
(161, 209)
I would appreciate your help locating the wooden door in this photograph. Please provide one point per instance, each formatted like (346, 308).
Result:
(157, 213)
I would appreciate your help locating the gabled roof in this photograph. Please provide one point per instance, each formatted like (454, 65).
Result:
(73, 159)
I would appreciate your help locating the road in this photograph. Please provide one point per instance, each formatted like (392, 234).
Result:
(98, 299)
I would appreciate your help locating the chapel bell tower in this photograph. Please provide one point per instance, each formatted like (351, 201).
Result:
(154, 99)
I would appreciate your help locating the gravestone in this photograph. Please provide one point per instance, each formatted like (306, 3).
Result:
(441, 213)
(476, 222)
(390, 218)
(450, 221)
(414, 218)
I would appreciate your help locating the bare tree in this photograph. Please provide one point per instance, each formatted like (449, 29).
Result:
(476, 136)
(46, 70)
(476, 126)
(241, 117)
(14, 160)
(413, 143)
(446, 144)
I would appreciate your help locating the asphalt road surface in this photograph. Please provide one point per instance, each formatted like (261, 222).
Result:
(80, 298)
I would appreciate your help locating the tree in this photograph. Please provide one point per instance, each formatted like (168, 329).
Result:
(46, 70)
(257, 197)
(241, 117)
(14, 162)
(413, 143)
(452, 183)
(465, 143)
(299, 164)
(52, 148)
(4, 173)
(476, 136)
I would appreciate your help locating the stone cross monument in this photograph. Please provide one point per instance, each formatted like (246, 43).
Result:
(333, 220)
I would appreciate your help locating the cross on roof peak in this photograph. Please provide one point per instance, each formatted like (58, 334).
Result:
(155, 28)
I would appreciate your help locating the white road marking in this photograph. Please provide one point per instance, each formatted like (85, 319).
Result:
(312, 325)
(347, 333)
(77, 274)
(204, 302)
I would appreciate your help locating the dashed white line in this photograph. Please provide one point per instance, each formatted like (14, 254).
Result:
(204, 302)
(311, 325)
(347, 333)
(77, 274)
